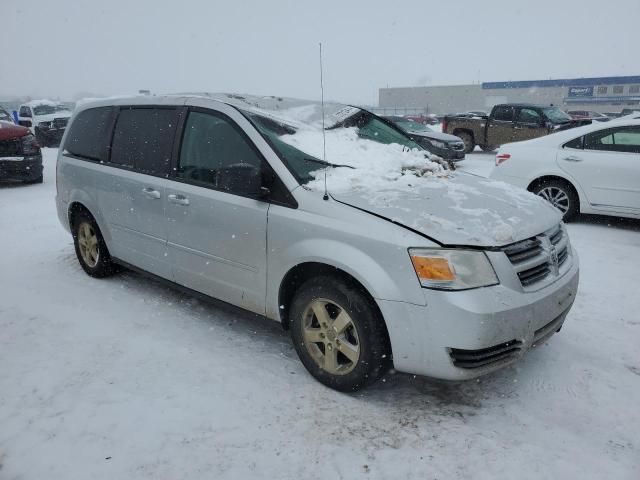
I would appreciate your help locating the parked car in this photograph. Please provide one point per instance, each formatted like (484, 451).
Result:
(426, 119)
(588, 115)
(5, 116)
(385, 260)
(46, 119)
(509, 122)
(591, 169)
(448, 147)
(20, 156)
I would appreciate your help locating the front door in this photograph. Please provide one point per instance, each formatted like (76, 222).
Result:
(607, 168)
(499, 129)
(217, 239)
(529, 124)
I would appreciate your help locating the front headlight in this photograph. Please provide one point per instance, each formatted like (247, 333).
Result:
(452, 269)
(438, 144)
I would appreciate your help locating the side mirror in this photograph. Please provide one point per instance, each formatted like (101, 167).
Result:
(25, 123)
(242, 179)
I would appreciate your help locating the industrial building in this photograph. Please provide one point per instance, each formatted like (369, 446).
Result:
(601, 94)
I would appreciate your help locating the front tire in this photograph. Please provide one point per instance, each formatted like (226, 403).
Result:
(488, 148)
(90, 247)
(561, 195)
(339, 334)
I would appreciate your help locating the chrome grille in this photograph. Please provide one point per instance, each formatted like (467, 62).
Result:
(539, 258)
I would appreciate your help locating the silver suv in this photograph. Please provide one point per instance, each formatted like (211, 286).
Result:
(375, 258)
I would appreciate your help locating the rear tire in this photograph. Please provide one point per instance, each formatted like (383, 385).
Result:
(561, 195)
(339, 334)
(90, 247)
(467, 138)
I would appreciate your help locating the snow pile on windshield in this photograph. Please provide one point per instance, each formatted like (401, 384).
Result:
(363, 164)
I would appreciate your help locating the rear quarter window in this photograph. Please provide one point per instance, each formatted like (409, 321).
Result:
(88, 135)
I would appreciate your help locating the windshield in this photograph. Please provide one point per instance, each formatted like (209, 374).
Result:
(410, 126)
(371, 127)
(299, 163)
(48, 109)
(556, 115)
(304, 165)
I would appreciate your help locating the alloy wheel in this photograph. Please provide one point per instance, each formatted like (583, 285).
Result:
(556, 197)
(330, 337)
(88, 243)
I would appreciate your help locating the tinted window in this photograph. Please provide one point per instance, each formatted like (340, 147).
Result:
(88, 135)
(143, 138)
(212, 142)
(624, 139)
(24, 112)
(575, 143)
(528, 115)
(503, 114)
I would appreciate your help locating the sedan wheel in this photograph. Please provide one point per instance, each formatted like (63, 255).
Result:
(556, 197)
(561, 195)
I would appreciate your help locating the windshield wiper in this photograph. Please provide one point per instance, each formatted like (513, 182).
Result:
(327, 164)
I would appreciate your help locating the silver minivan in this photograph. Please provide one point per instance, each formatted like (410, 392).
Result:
(373, 257)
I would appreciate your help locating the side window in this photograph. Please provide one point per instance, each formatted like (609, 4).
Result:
(503, 113)
(623, 139)
(528, 115)
(575, 143)
(24, 112)
(143, 139)
(89, 134)
(210, 143)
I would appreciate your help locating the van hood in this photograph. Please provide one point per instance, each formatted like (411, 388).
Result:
(461, 209)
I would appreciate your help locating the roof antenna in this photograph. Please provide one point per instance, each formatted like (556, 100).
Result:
(324, 140)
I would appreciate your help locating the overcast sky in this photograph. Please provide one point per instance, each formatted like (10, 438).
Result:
(67, 48)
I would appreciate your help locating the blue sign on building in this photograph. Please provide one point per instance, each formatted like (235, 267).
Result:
(581, 91)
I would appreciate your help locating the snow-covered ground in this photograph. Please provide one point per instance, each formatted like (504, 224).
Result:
(125, 378)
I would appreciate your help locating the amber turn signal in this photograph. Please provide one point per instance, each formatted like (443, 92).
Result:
(433, 268)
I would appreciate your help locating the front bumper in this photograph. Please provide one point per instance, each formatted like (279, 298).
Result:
(466, 334)
(21, 168)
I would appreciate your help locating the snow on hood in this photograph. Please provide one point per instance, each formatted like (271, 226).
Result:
(373, 165)
(51, 116)
(459, 209)
(454, 208)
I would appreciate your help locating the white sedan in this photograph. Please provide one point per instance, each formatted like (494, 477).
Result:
(590, 169)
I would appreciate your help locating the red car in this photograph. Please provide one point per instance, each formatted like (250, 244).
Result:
(20, 155)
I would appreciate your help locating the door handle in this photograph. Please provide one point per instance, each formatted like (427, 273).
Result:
(178, 199)
(151, 193)
(572, 158)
